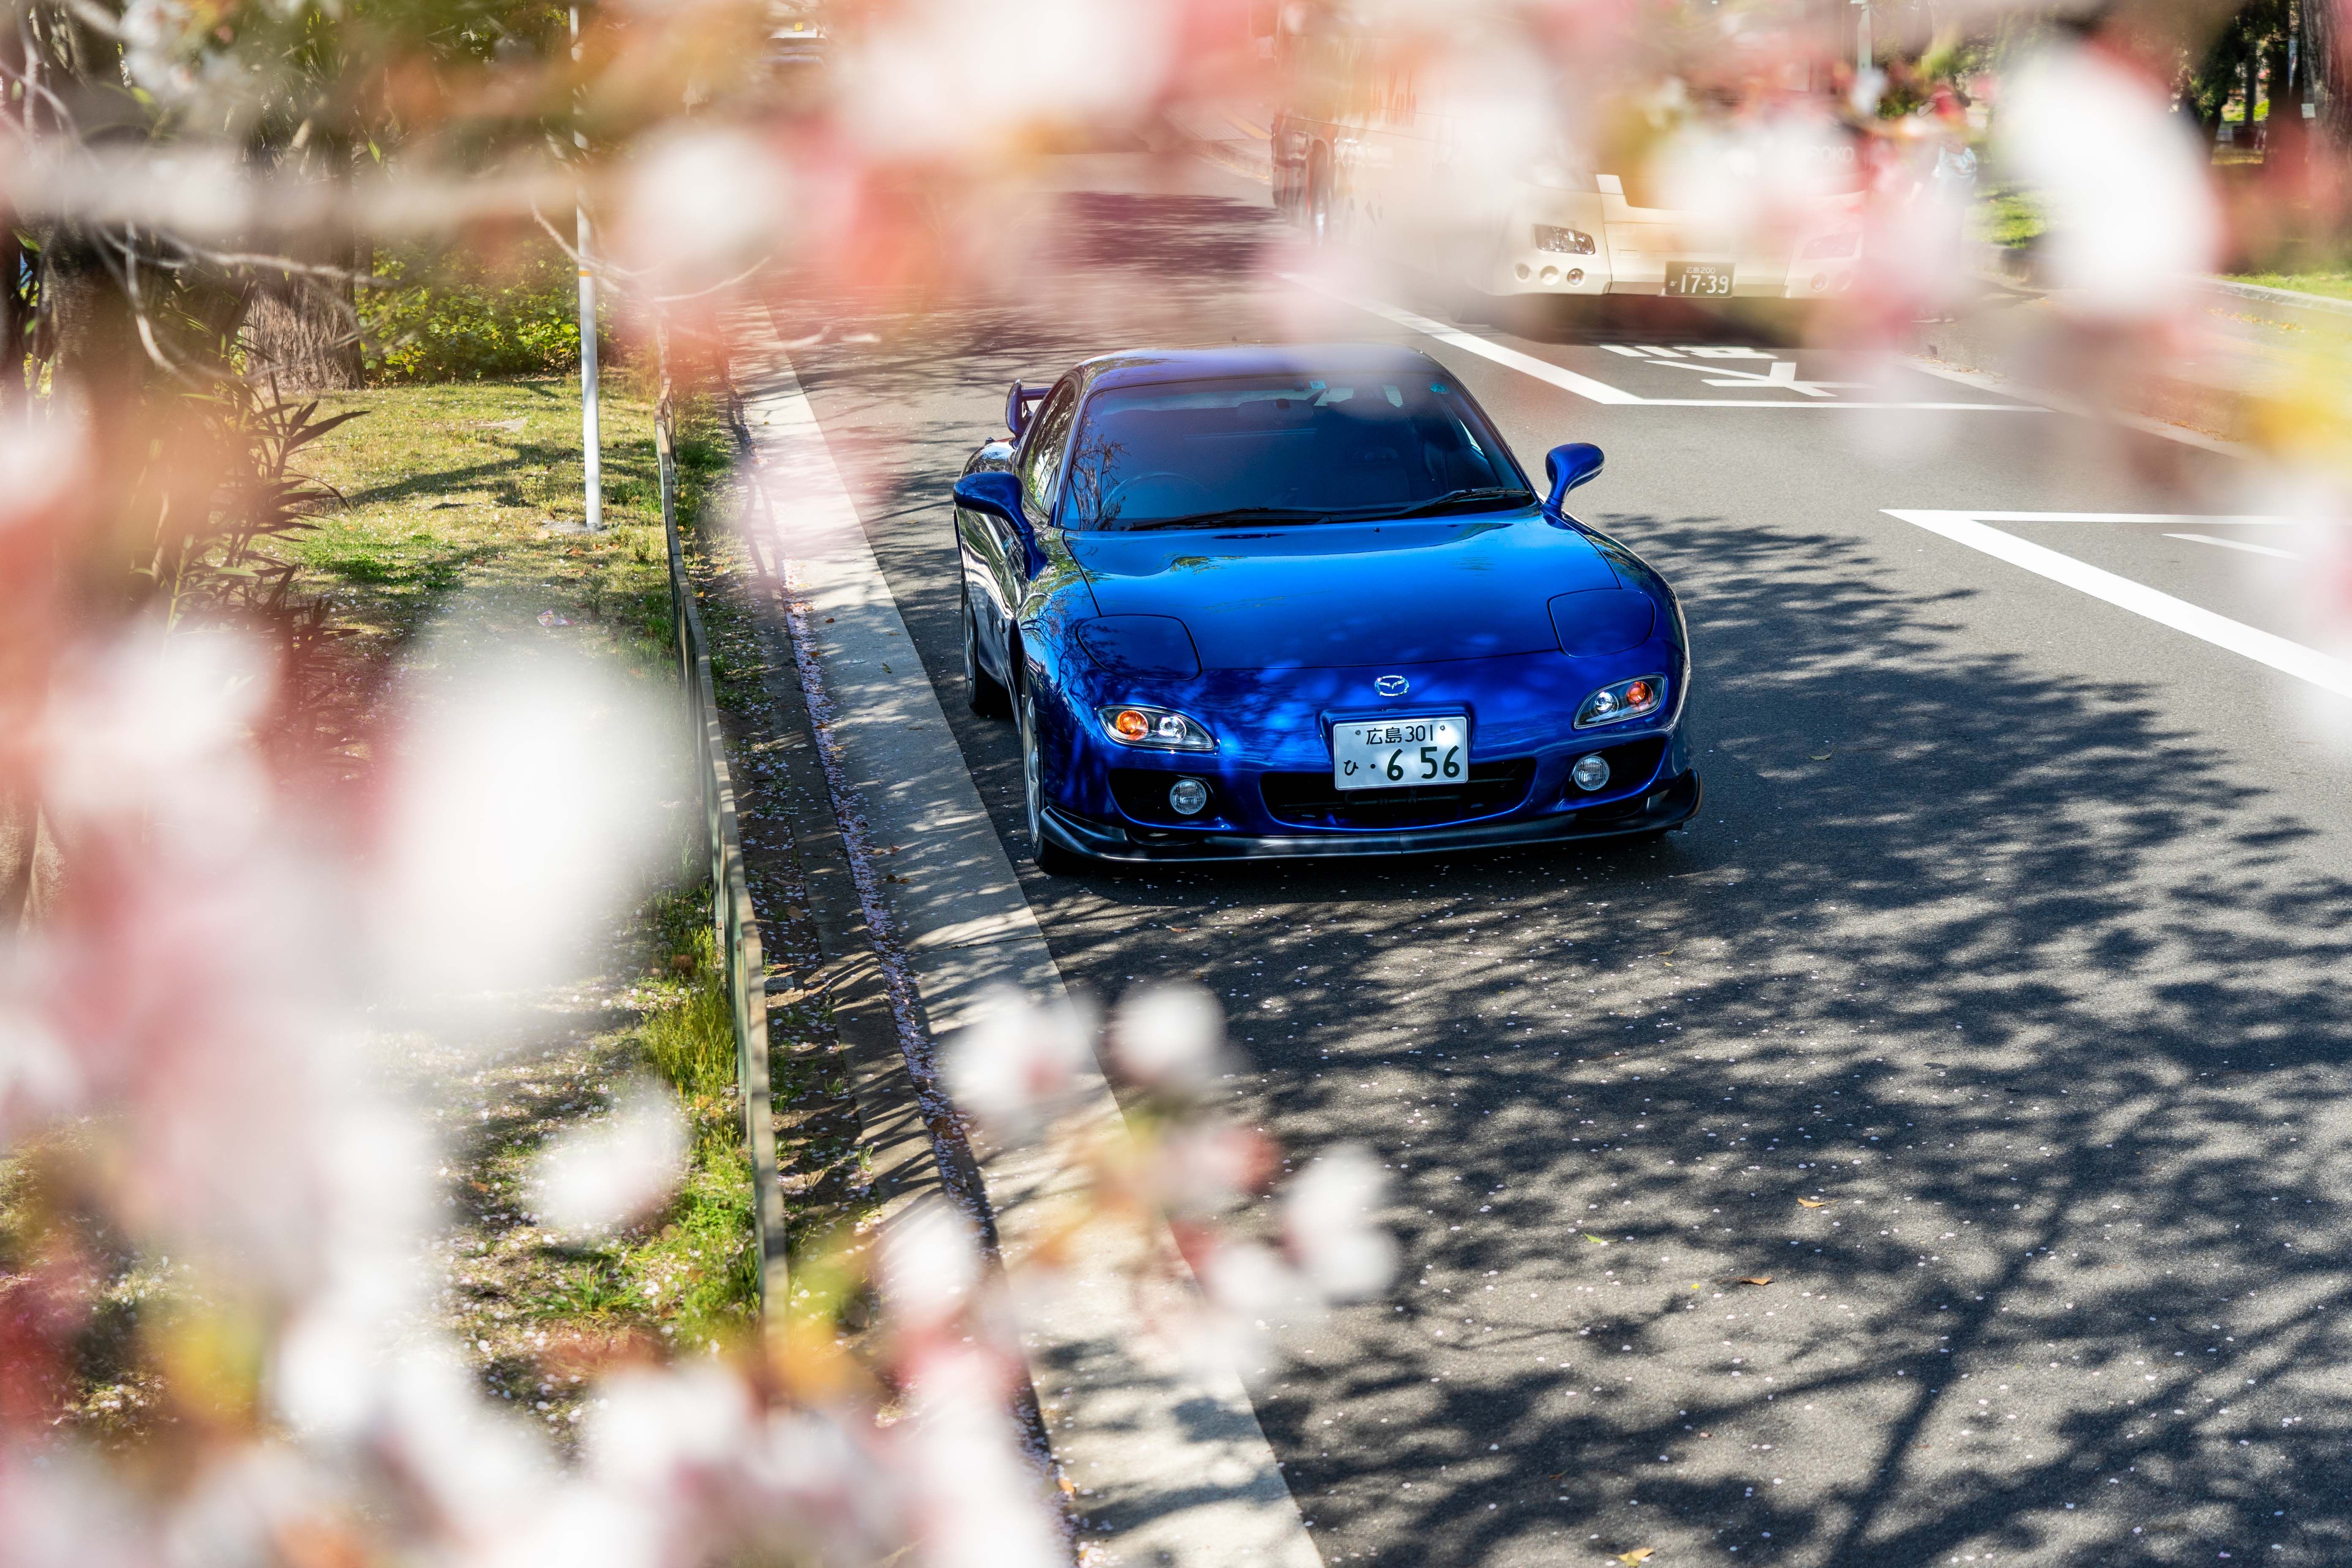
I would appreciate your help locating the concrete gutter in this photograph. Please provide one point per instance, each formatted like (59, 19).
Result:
(2284, 299)
(1170, 1465)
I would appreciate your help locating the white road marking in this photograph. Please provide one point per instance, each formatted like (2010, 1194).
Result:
(1781, 377)
(2328, 673)
(1527, 365)
(2233, 519)
(2238, 544)
(1593, 391)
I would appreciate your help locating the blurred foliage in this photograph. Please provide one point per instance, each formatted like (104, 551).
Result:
(2007, 214)
(456, 316)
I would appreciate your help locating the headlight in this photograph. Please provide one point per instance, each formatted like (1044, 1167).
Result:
(1155, 729)
(1832, 244)
(1626, 699)
(1570, 241)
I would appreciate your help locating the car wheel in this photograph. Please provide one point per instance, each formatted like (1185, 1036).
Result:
(982, 689)
(1047, 855)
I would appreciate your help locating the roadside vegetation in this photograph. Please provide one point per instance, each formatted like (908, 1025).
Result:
(441, 315)
(2006, 215)
(465, 495)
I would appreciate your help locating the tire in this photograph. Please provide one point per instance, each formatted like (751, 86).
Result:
(982, 690)
(1047, 855)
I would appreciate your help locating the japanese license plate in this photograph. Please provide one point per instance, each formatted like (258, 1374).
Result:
(1702, 279)
(1400, 753)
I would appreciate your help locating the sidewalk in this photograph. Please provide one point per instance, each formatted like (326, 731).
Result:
(2253, 345)
(1168, 1461)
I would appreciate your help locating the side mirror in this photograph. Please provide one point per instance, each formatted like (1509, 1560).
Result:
(1017, 406)
(1567, 466)
(998, 494)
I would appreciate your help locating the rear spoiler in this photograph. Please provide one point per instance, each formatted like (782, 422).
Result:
(1016, 406)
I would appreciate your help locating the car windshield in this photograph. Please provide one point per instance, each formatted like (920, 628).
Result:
(1283, 449)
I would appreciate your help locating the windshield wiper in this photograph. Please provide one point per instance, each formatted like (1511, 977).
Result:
(1477, 496)
(1231, 514)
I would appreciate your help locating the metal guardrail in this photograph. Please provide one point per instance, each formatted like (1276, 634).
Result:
(736, 925)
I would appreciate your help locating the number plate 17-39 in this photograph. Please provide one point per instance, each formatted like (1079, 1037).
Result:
(1400, 753)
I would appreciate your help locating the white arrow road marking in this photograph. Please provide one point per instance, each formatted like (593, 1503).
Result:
(1781, 377)
(2328, 673)
(1593, 391)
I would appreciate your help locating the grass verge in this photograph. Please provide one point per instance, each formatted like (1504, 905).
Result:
(2005, 215)
(476, 488)
(2333, 282)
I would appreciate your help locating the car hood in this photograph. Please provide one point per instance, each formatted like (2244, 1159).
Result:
(1413, 592)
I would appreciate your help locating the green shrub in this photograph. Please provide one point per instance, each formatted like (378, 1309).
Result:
(454, 316)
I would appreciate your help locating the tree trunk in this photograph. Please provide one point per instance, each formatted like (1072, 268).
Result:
(301, 329)
(2325, 67)
(15, 318)
(2283, 142)
(89, 333)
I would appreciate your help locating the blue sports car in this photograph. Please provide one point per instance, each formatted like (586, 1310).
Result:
(1257, 602)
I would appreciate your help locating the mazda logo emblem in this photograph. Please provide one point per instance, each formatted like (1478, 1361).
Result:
(1391, 685)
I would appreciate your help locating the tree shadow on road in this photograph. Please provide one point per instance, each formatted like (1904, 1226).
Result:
(2036, 992)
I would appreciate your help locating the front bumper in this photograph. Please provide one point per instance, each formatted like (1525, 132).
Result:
(1670, 804)
(1633, 247)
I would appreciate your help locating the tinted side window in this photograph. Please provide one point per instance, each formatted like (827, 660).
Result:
(1040, 463)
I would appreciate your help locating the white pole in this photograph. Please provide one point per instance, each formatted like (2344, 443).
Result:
(591, 443)
(1861, 35)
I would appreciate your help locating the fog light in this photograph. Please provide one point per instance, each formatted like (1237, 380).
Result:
(1575, 275)
(1522, 270)
(1590, 771)
(1551, 274)
(1189, 796)
(1821, 281)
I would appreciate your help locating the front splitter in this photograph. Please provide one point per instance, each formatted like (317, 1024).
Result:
(1664, 810)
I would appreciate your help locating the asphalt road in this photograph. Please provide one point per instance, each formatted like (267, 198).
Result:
(2011, 935)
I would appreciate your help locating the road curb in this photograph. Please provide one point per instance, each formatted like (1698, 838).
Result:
(1169, 1464)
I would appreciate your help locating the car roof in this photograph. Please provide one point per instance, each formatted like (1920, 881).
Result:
(1143, 367)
